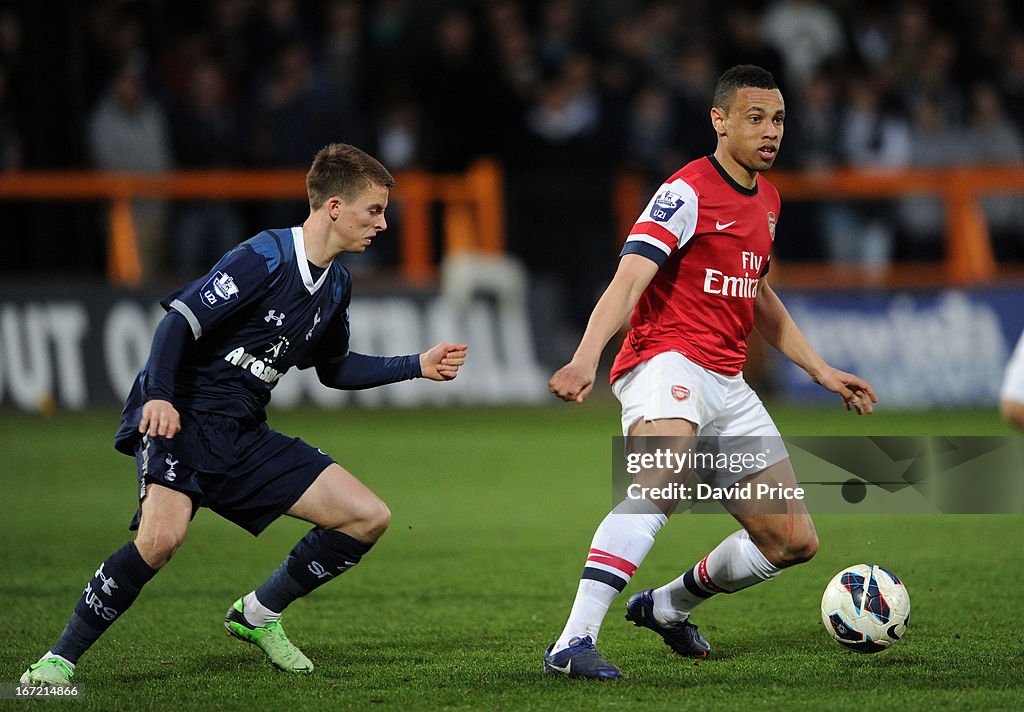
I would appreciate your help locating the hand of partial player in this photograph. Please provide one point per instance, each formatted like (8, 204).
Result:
(856, 393)
(572, 382)
(159, 418)
(442, 362)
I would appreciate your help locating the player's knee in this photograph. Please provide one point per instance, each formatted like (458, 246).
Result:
(370, 522)
(377, 521)
(157, 547)
(1013, 413)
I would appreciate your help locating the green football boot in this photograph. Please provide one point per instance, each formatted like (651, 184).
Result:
(48, 672)
(270, 639)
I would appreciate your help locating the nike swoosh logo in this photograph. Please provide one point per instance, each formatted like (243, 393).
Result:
(722, 226)
(567, 669)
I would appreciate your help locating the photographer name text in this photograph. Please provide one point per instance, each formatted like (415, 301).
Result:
(703, 492)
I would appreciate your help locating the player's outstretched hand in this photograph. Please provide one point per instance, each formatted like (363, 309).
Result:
(442, 362)
(856, 393)
(572, 382)
(159, 417)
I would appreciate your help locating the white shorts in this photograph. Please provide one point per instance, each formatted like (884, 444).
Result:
(670, 385)
(1013, 381)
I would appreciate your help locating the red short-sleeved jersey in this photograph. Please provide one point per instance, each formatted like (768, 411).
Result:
(712, 239)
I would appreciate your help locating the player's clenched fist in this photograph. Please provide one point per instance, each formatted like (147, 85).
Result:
(572, 382)
(442, 362)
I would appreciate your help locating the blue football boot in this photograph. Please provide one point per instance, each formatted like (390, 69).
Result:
(683, 637)
(580, 659)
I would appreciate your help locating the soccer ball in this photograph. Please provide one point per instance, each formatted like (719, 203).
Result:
(865, 608)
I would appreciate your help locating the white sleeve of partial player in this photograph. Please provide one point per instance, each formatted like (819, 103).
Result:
(1013, 381)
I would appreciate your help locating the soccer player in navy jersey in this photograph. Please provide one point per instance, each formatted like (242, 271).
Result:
(195, 420)
(693, 275)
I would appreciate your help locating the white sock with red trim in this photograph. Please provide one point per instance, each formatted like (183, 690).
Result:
(619, 546)
(733, 565)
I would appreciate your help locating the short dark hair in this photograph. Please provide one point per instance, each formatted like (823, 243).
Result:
(345, 171)
(738, 77)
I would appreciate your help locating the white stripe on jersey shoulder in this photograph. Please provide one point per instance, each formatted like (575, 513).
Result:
(682, 221)
(650, 241)
(303, 263)
(182, 308)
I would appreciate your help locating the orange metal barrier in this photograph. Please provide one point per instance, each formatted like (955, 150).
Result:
(473, 217)
(968, 245)
(473, 212)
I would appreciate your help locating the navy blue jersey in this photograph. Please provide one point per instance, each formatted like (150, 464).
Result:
(255, 315)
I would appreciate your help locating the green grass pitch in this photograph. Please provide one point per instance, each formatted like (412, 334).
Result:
(493, 512)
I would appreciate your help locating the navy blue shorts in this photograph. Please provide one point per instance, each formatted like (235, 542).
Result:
(249, 473)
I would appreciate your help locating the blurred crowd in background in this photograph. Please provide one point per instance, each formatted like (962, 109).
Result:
(564, 93)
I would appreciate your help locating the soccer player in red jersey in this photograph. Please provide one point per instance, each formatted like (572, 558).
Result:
(693, 274)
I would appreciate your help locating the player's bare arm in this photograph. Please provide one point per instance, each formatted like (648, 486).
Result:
(574, 381)
(443, 361)
(774, 323)
(159, 418)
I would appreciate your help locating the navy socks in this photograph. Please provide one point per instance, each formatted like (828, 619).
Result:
(318, 557)
(114, 587)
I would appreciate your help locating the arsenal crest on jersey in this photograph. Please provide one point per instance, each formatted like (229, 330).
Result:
(771, 224)
(680, 393)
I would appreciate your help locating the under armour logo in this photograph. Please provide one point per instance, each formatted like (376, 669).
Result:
(108, 584)
(275, 317)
